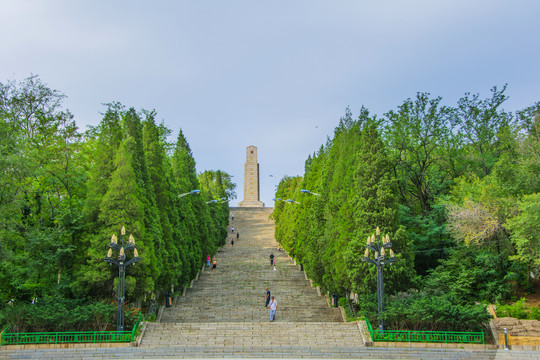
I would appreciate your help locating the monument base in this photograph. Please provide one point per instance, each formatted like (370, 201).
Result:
(250, 204)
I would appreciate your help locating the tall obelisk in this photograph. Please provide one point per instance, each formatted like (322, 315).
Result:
(251, 179)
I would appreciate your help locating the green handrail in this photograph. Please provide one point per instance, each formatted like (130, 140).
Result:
(425, 336)
(2, 333)
(71, 337)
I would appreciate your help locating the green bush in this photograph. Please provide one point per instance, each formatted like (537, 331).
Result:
(427, 312)
(518, 310)
(60, 314)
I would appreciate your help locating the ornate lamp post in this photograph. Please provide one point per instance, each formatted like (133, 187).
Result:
(379, 262)
(121, 262)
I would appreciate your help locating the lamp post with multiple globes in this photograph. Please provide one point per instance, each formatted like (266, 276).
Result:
(381, 259)
(121, 262)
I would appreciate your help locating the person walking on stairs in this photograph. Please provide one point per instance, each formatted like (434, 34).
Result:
(237, 235)
(232, 229)
(267, 298)
(232, 217)
(271, 258)
(208, 261)
(214, 264)
(273, 308)
(232, 241)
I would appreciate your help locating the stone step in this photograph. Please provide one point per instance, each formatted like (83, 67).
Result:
(318, 334)
(262, 351)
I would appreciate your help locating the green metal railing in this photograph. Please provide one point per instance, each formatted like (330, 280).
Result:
(425, 336)
(70, 337)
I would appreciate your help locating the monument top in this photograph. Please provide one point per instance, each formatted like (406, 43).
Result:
(251, 180)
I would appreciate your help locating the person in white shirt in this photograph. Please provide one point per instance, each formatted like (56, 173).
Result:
(273, 308)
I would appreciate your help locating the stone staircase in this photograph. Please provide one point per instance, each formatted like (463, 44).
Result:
(235, 291)
(225, 307)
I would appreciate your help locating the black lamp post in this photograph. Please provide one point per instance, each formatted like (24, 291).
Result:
(121, 262)
(379, 262)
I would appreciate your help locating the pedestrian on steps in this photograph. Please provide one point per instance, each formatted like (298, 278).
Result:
(237, 235)
(267, 298)
(208, 261)
(232, 241)
(232, 229)
(271, 258)
(214, 264)
(273, 308)
(232, 217)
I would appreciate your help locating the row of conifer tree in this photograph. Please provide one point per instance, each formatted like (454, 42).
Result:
(64, 193)
(455, 187)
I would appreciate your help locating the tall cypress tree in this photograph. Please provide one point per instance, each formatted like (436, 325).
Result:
(103, 145)
(109, 138)
(376, 204)
(121, 205)
(159, 170)
(153, 233)
(192, 219)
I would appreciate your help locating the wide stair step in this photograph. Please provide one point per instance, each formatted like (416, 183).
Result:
(309, 334)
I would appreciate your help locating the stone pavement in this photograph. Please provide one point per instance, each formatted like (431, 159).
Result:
(259, 351)
(235, 291)
(223, 315)
(225, 307)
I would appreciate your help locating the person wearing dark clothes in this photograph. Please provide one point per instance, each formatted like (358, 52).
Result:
(237, 235)
(267, 298)
(271, 259)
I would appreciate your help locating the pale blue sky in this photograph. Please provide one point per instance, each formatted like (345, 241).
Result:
(274, 74)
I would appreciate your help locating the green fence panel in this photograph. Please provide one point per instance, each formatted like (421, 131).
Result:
(66, 337)
(70, 337)
(425, 336)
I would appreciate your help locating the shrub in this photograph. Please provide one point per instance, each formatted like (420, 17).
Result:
(427, 312)
(518, 310)
(59, 314)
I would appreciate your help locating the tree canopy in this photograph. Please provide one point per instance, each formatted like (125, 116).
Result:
(64, 193)
(453, 186)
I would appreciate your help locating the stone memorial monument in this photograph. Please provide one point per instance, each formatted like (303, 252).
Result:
(251, 180)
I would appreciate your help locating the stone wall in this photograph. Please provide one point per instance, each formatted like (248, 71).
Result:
(520, 332)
